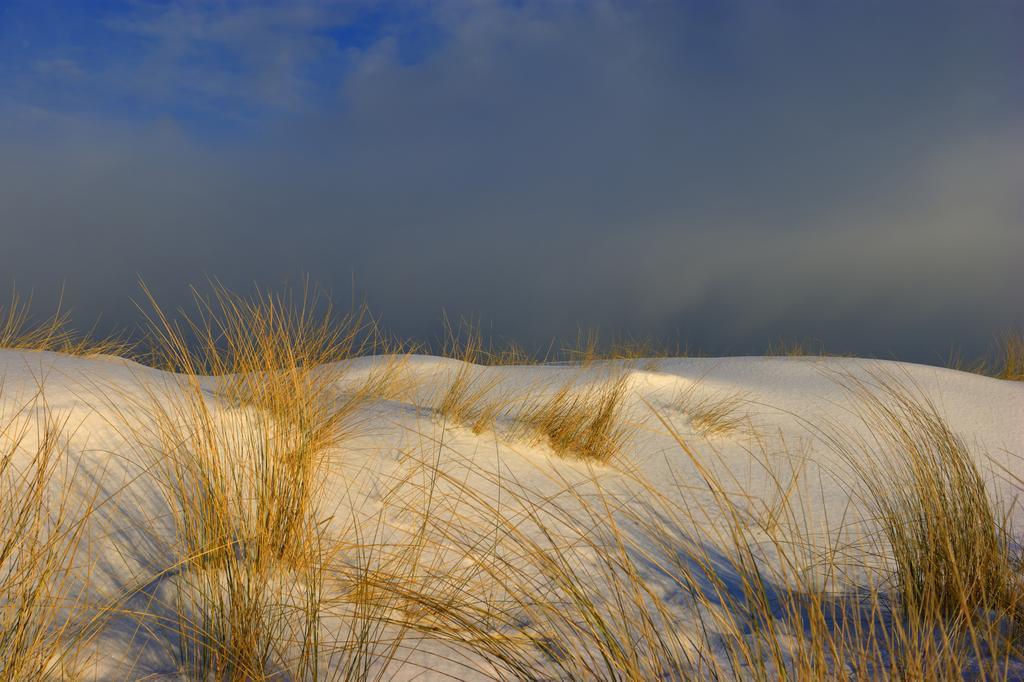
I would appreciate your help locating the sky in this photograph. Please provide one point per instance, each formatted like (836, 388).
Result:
(722, 173)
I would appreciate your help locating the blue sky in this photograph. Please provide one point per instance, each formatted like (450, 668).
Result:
(210, 67)
(727, 172)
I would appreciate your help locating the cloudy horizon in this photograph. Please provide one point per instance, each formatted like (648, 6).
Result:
(722, 173)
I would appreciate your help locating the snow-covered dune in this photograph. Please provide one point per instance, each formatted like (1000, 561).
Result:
(759, 426)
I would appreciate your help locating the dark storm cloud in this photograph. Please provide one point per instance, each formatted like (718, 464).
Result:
(731, 172)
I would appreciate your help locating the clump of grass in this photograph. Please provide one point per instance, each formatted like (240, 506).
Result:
(956, 360)
(584, 578)
(1011, 356)
(796, 348)
(646, 348)
(21, 330)
(467, 398)
(391, 380)
(951, 549)
(282, 360)
(713, 414)
(511, 353)
(463, 401)
(585, 424)
(249, 620)
(586, 574)
(588, 349)
(465, 341)
(242, 471)
(39, 541)
(1003, 361)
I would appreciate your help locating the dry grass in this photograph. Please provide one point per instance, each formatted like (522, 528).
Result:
(512, 354)
(1011, 356)
(391, 380)
(956, 360)
(796, 348)
(588, 349)
(279, 364)
(600, 583)
(585, 350)
(596, 578)
(713, 414)
(468, 398)
(465, 342)
(40, 538)
(1004, 361)
(587, 575)
(19, 329)
(951, 548)
(581, 423)
(242, 473)
(646, 348)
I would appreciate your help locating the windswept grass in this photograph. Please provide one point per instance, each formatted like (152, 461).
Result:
(589, 348)
(1005, 360)
(1011, 356)
(470, 404)
(280, 364)
(241, 459)
(468, 399)
(582, 423)
(468, 395)
(608, 583)
(40, 537)
(511, 353)
(20, 329)
(796, 348)
(956, 360)
(464, 341)
(712, 414)
(580, 573)
(621, 581)
(950, 545)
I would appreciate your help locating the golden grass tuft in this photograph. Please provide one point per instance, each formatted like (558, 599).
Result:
(950, 546)
(467, 401)
(956, 360)
(589, 349)
(1004, 361)
(586, 349)
(20, 330)
(511, 354)
(241, 459)
(1011, 356)
(468, 396)
(713, 414)
(580, 423)
(279, 366)
(39, 541)
(796, 348)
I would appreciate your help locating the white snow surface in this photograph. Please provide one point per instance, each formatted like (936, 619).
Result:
(782, 401)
